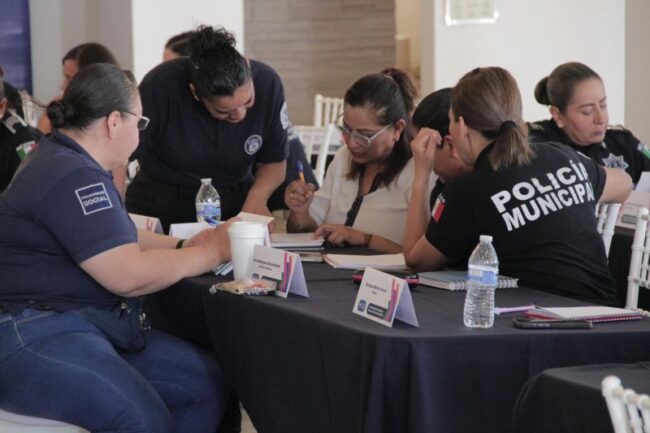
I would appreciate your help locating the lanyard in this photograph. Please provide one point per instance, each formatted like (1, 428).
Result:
(356, 204)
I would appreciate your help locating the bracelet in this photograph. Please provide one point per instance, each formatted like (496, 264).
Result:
(180, 243)
(214, 256)
(367, 238)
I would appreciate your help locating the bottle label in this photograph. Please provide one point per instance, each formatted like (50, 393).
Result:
(482, 275)
(211, 211)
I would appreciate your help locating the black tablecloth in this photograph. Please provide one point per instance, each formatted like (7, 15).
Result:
(311, 365)
(570, 400)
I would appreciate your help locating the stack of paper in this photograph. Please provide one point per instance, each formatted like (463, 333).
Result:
(295, 241)
(591, 313)
(386, 262)
(457, 280)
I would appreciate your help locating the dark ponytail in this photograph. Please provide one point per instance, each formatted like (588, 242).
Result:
(218, 69)
(390, 95)
(489, 101)
(93, 93)
(557, 89)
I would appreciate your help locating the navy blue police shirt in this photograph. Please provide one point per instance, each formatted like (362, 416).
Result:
(619, 149)
(183, 143)
(61, 209)
(541, 217)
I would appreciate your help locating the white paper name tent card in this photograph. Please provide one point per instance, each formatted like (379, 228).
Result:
(383, 298)
(187, 230)
(282, 267)
(147, 223)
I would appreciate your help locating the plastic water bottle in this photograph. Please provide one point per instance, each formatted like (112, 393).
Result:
(208, 202)
(482, 275)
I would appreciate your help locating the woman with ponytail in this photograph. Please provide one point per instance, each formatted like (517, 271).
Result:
(213, 114)
(536, 200)
(577, 101)
(364, 197)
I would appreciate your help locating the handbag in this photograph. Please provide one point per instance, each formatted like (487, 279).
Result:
(126, 326)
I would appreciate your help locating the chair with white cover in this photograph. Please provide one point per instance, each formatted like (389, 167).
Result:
(607, 214)
(638, 274)
(317, 140)
(629, 411)
(326, 109)
(14, 423)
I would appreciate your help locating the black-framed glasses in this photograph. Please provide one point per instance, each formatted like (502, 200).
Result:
(142, 121)
(355, 137)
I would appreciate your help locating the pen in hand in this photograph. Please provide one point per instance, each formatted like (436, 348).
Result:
(301, 171)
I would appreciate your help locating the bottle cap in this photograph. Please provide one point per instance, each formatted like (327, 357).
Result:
(485, 238)
(206, 180)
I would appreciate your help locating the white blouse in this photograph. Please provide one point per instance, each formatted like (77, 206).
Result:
(383, 212)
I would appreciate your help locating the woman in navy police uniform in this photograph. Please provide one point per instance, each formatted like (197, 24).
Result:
(70, 259)
(213, 114)
(577, 101)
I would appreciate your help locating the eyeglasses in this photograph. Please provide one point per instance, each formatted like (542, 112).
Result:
(356, 138)
(142, 121)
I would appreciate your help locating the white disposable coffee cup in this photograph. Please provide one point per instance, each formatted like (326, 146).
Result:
(243, 238)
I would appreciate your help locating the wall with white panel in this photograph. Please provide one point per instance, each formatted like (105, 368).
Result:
(134, 30)
(530, 39)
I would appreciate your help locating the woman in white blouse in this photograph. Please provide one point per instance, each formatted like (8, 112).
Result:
(364, 198)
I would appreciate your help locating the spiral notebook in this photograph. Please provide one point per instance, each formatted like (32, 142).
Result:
(590, 313)
(457, 280)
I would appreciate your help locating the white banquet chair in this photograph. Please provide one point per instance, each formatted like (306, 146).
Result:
(318, 140)
(326, 109)
(638, 273)
(629, 411)
(607, 213)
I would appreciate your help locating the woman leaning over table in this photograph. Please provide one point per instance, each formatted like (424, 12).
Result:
(536, 200)
(364, 198)
(70, 257)
(577, 101)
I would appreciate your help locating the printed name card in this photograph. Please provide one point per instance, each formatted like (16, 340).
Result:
(187, 230)
(383, 297)
(281, 267)
(147, 223)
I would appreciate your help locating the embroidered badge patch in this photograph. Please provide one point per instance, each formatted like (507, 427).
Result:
(613, 161)
(284, 116)
(253, 144)
(438, 208)
(93, 198)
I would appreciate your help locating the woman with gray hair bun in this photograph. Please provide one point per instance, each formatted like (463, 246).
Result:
(76, 345)
(536, 200)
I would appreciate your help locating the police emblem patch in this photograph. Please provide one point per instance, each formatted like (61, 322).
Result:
(253, 144)
(613, 161)
(93, 198)
(284, 116)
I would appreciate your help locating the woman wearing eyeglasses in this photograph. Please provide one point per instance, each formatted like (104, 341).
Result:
(364, 198)
(75, 345)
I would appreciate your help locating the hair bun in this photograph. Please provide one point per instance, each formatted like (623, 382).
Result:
(60, 113)
(541, 92)
(207, 38)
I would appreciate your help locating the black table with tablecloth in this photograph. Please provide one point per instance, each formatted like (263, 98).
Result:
(311, 365)
(570, 400)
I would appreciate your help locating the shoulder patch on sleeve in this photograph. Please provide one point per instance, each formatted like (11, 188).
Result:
(93, 198)
(284, 115)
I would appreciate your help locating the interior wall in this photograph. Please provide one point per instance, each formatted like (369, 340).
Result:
(637, 62)
(320, 46)
(407, 20)
(172, 17)
(126, 27)
(530, 39)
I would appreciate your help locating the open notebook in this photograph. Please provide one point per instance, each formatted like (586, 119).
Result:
(295, 241)
(384, 262)
(457, 280)
(592, 313)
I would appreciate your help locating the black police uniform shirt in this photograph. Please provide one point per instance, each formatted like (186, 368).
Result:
(541, 217)
(16, 139)
(61, 209)
(183, 143)
(619, 149)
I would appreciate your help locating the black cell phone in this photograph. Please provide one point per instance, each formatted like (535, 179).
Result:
(411, 278)
(530, 323)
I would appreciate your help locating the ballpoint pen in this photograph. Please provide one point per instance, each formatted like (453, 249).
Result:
(301, 171)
